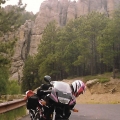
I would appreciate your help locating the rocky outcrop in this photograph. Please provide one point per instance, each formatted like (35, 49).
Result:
(50, 10)
(21, 48)
(62, 11)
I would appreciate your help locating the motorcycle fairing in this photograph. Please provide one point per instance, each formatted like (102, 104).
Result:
(61, 92)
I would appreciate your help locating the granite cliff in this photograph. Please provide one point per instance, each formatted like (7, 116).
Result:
(64, 10)
(61, 11)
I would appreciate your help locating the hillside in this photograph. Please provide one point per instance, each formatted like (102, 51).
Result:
(29, 35)
(106, 93)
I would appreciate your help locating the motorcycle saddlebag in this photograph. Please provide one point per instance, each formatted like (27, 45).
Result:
(32, 102)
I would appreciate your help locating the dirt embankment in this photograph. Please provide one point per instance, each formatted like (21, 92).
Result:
(106, 93)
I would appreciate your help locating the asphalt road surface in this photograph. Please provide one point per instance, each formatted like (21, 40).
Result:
(94, 112)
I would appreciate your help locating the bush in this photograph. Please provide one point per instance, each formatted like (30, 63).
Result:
(103, 80)
(14, 88)
(3, 80)
(101, 77)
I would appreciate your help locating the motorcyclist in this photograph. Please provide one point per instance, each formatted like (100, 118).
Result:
(33, 98)
(78, 87)
(42, 93)
(44, 87)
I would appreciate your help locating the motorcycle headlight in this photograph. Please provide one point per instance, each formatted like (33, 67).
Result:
(63, 100)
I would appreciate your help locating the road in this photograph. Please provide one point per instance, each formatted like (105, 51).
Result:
(94, 112)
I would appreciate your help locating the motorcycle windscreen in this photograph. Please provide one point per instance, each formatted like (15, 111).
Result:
(62, 86)
(63, 92)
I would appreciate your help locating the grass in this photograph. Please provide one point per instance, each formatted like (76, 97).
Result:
(102, 78)
(14, 114)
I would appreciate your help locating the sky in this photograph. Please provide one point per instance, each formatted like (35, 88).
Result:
(32, 5)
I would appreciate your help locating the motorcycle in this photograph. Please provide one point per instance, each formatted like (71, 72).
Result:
(57, 105)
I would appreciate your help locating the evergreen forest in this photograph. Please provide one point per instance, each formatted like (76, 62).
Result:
(88, 45)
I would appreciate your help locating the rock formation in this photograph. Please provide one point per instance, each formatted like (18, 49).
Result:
(61, 11)
(21, 49)
(64, 10)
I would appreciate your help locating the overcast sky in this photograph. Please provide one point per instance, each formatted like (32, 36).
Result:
(32, 5)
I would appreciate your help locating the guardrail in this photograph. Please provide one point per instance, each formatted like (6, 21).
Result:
(7, 106)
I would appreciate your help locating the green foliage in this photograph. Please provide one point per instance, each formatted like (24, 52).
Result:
(106, 43)
(13, 88)
(3, 80)
(9, 22)
(48, 59)
(109, 41)
(30, 79)
(101, 78)
(6, 51)
(14, 18)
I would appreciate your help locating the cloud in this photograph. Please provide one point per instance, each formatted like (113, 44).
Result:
(32, 5)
